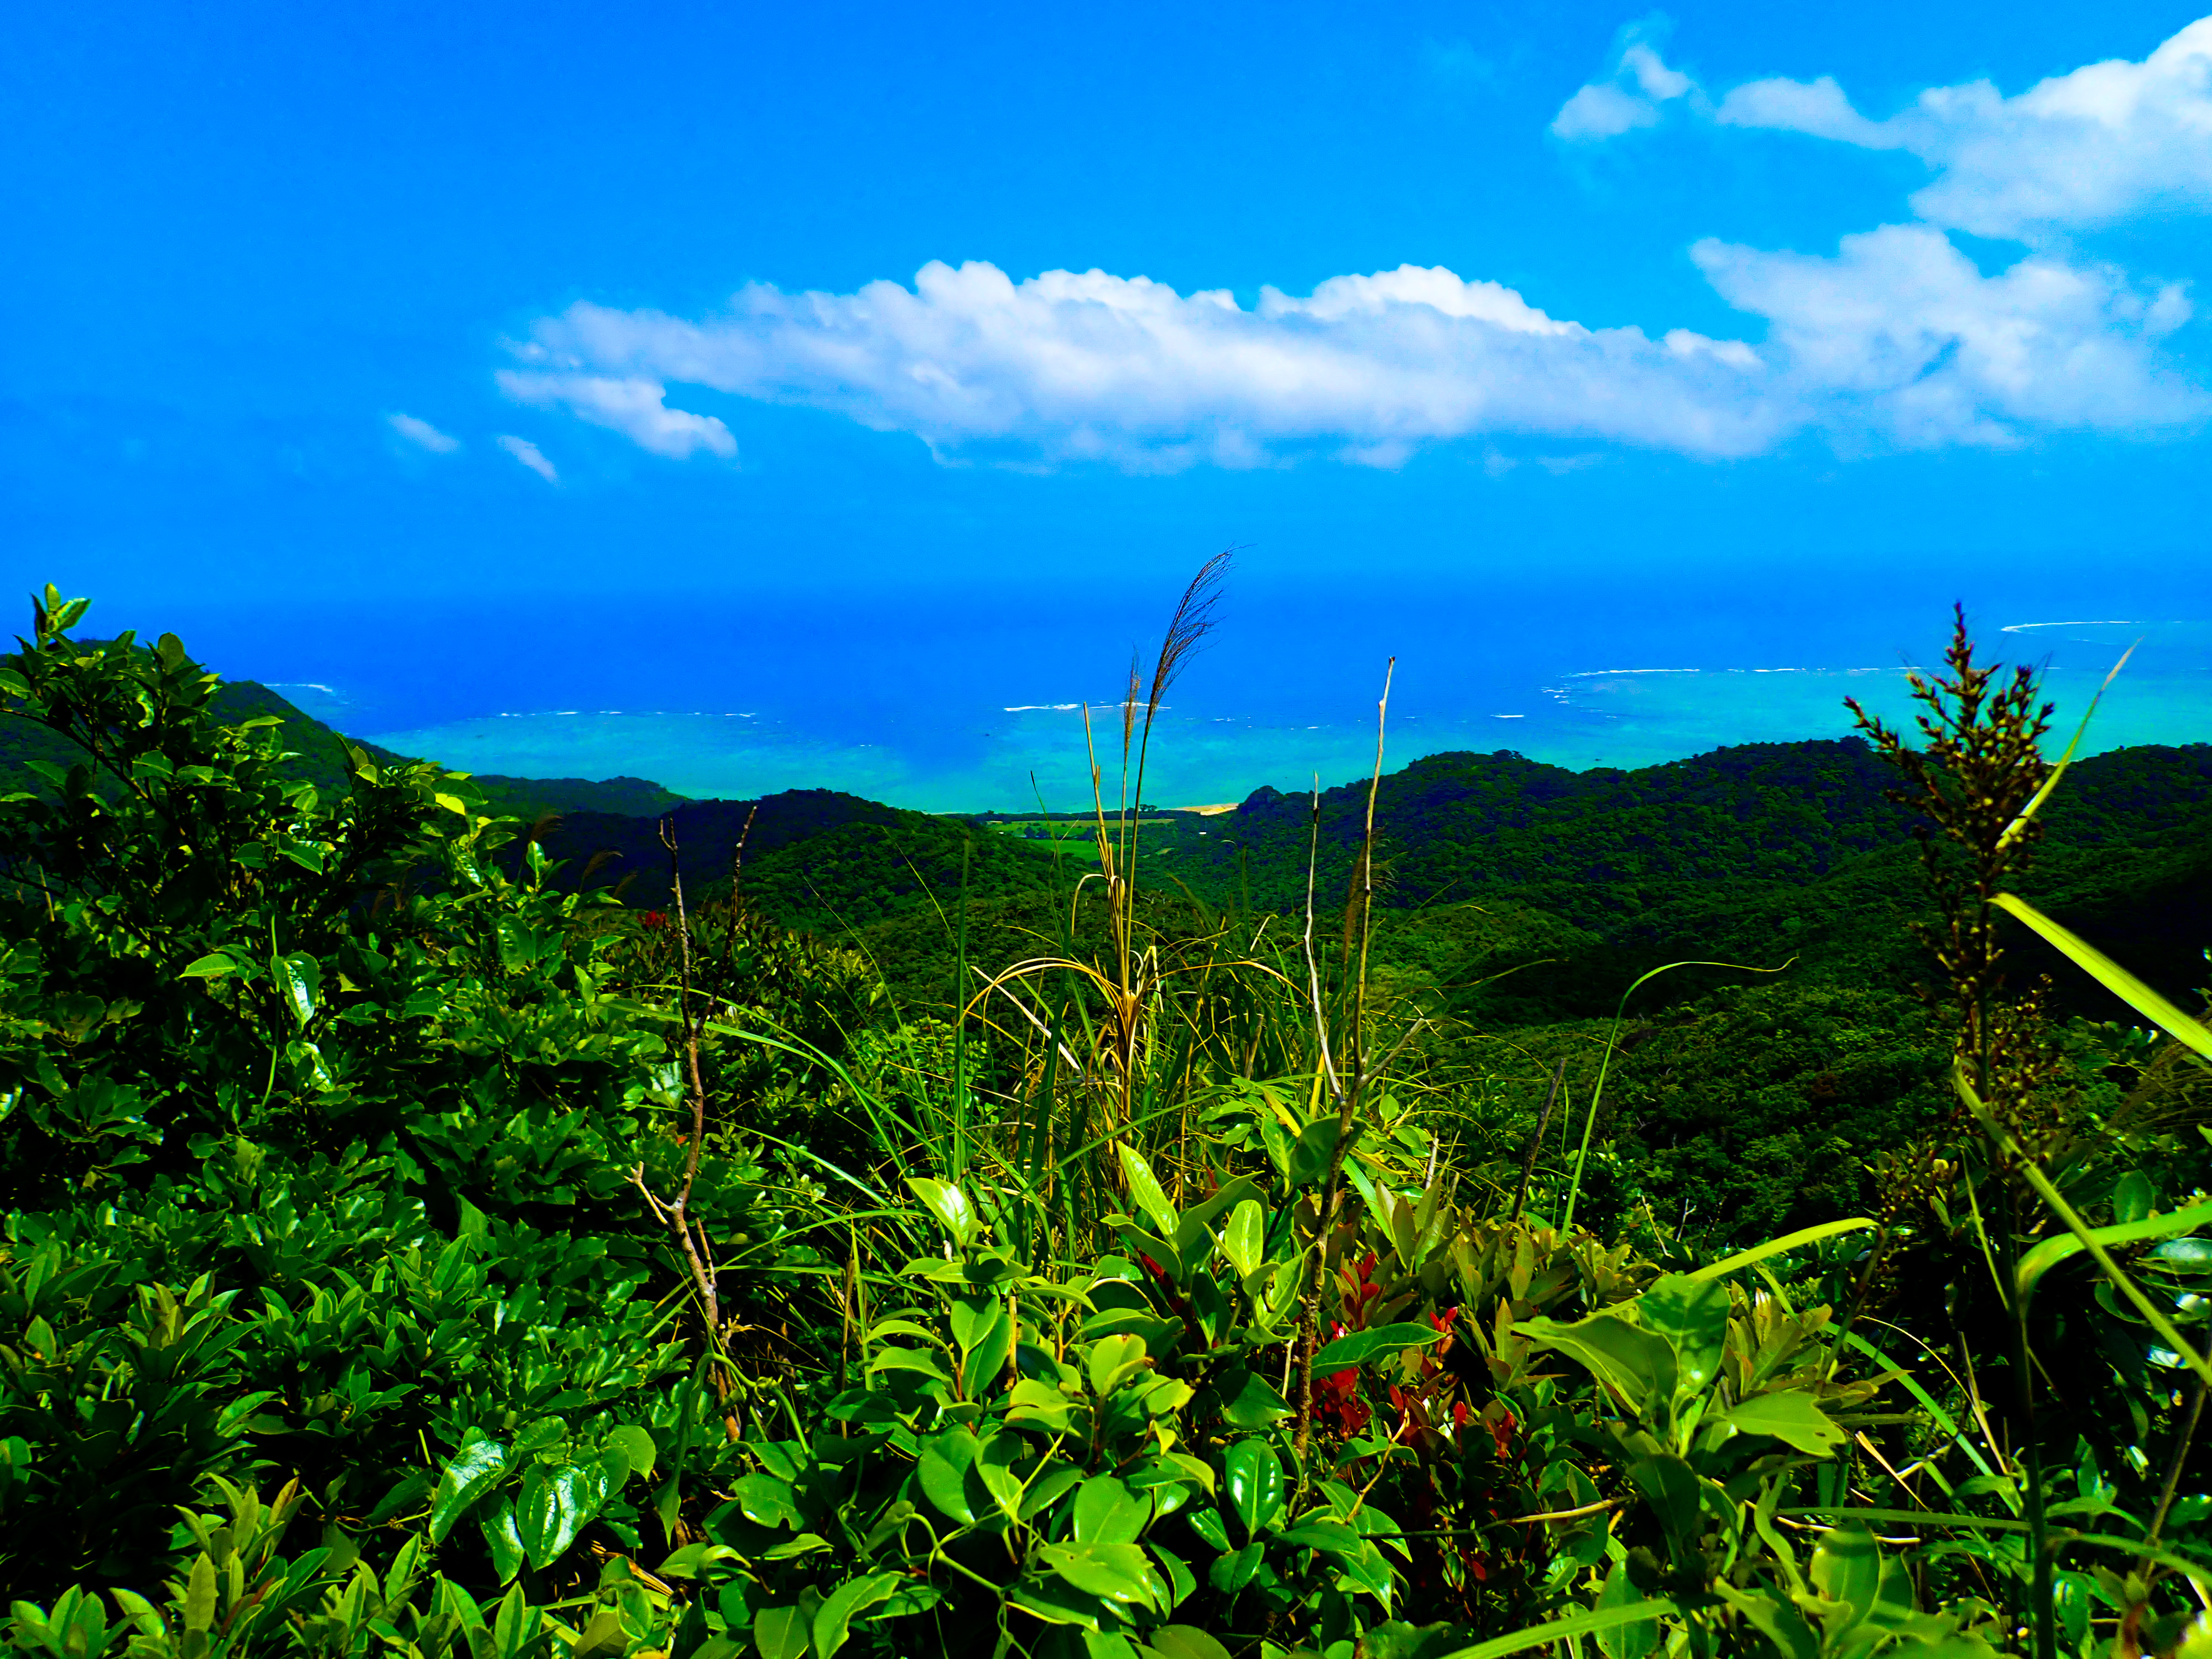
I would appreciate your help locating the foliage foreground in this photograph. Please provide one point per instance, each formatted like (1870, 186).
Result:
(405, 1255)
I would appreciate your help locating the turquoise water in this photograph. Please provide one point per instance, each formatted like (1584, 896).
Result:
(1008, 756)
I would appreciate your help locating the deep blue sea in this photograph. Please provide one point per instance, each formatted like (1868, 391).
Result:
(946, 702)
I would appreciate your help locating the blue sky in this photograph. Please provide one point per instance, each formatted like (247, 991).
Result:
(871, 369)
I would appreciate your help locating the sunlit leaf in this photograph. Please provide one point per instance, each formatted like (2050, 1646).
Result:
(1145, 1188)
(1790, 1415)
(2110, 974)
(833, 1620)
(1244, 1239)
(1358, 1347)
(1253, 1476)
(474, 1471)
(1113, 1572)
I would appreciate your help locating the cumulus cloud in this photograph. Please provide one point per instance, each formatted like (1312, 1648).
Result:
(1900, 335)
(630, 405)
(1897, 339)
(1067, 366)
(422, 434)
(2078, 151)
(1629, 97)
(530, 455)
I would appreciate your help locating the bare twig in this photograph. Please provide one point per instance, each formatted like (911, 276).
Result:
(1536, 1140)
(676, 1214)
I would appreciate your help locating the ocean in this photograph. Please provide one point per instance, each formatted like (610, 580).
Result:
(959, 748)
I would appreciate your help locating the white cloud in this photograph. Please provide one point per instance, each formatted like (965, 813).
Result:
(2075, 152)
(1067, 366)
(1628, 97)
(1602, 111)
(632, 405)
(530, 455)
(1657, 80)
(1899, 335)
(1897, 339)
(423, 434)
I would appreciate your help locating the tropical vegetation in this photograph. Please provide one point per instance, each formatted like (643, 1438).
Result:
(419, 1241)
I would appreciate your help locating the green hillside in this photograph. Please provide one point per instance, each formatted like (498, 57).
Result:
(929, 1242)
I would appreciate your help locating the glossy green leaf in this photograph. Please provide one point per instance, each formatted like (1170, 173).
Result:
(1693, 1315)
(555, 1505)
(833, 1621)
(1629, 1641)
(1249, 1401)
(1113, 1572)
(213, 966)
(474, 1471)
(636, 1445)
(299, 978)
(1196, 1226)
(1253, 1476)
(1243, 1241)
(1358, 1347)
(994, 1467)
(1144, 1188)
(516, 1624)
(1847, 1568)
(1107, 1512)
(536, 1435)
(1046, 1488)
(1178, 1573)
(1114, 1360)
(1208, 1525)
(1184, 1641)
(503, 1539)
(1791, 1416)
(983, 1362)
(949, 1205)
(947, 1457)
(1638, 1364)
(782, 1632)
(1670, 1486)
(1311, 1152)
(602, 1638)
(200, 1594)
(1229, 1573)
(1367, 1570)
(1041, 1403)
(766, 1500)
(1331, 1537)
(1056, 1601)
(909, 1359)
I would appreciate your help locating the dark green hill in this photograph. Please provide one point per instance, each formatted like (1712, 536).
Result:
(321, 761)
(532, 798)
(813, 858)
(1755, 855)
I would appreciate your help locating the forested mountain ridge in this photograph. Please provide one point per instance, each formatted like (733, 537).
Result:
(353, 1150)
(1755, 851)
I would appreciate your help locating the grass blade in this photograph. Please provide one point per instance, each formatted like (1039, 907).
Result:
(1797, 1240)
(2053, 1251)
(1581, 1624)
(2110, 974)
(2014, 830)
(2051, 1195)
